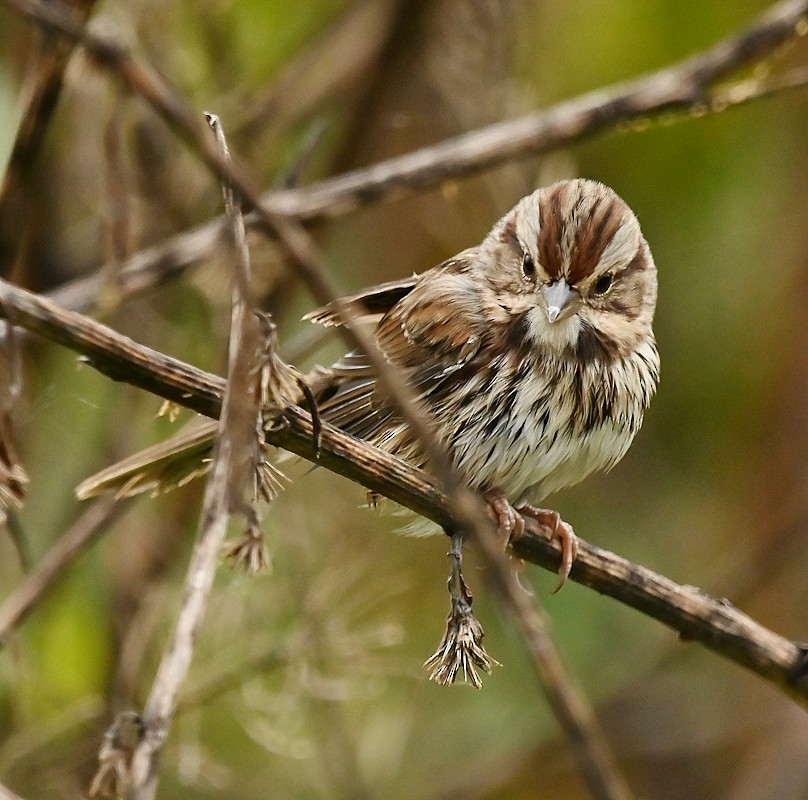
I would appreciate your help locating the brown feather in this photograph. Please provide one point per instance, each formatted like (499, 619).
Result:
(525, 402)
(372, 302)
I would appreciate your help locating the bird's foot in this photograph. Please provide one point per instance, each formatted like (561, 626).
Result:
(560, 530)
(509, 521)
(510, 525)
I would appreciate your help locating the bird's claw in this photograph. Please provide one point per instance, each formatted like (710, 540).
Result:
(511, 524)
(560, 530)
(509, 521)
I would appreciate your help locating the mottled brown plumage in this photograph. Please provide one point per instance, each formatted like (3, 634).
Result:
(532, 353)
(524, 404)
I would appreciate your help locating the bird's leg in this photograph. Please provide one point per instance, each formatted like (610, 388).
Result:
(510, 525)
(461, 652)
(560, 530)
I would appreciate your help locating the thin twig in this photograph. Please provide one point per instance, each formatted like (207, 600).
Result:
(696, 616)
(348, 51)
(243, 401)
(145, 269)
(119, 214)
(161, 704)
(43, 89)
(231, 458)
(92, 524)
(13, 477)
(684, 88)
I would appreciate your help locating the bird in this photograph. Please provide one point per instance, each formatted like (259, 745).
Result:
(532, 354)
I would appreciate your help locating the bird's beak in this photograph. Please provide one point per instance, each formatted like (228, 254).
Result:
(557, 296)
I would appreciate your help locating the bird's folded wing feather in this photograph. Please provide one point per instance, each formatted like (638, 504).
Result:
(431, 333)
(431, 326)
(371, 303)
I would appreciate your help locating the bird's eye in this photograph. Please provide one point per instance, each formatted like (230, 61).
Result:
(528, 266)
(603, 283)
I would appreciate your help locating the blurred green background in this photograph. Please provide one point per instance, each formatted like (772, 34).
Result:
(307, 682)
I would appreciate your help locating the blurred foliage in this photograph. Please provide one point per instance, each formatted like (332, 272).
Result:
(308, 680)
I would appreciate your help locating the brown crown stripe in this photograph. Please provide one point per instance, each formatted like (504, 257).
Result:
(605, 219)
(551, 224)
(605, 216)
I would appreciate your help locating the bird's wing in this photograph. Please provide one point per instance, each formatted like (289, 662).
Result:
(431, 333)
(371, 303)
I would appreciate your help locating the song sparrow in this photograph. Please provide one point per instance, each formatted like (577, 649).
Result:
(533, 353)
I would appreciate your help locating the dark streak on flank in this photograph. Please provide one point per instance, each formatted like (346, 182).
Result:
(579, 401)
(517, 332)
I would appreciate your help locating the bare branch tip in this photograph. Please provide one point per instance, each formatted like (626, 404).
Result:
(249, 552)
(113, 777)
(461, 653)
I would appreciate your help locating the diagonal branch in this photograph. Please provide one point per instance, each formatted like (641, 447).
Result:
(696, 616)
(686, 87)
(43, 90)
(689, 86)
(92, 524)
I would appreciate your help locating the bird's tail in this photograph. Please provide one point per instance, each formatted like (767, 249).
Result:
(158, 468)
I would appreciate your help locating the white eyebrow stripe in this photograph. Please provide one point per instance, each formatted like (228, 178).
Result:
(621, 248)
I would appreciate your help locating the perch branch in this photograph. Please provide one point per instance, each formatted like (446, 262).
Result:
(696, 616)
